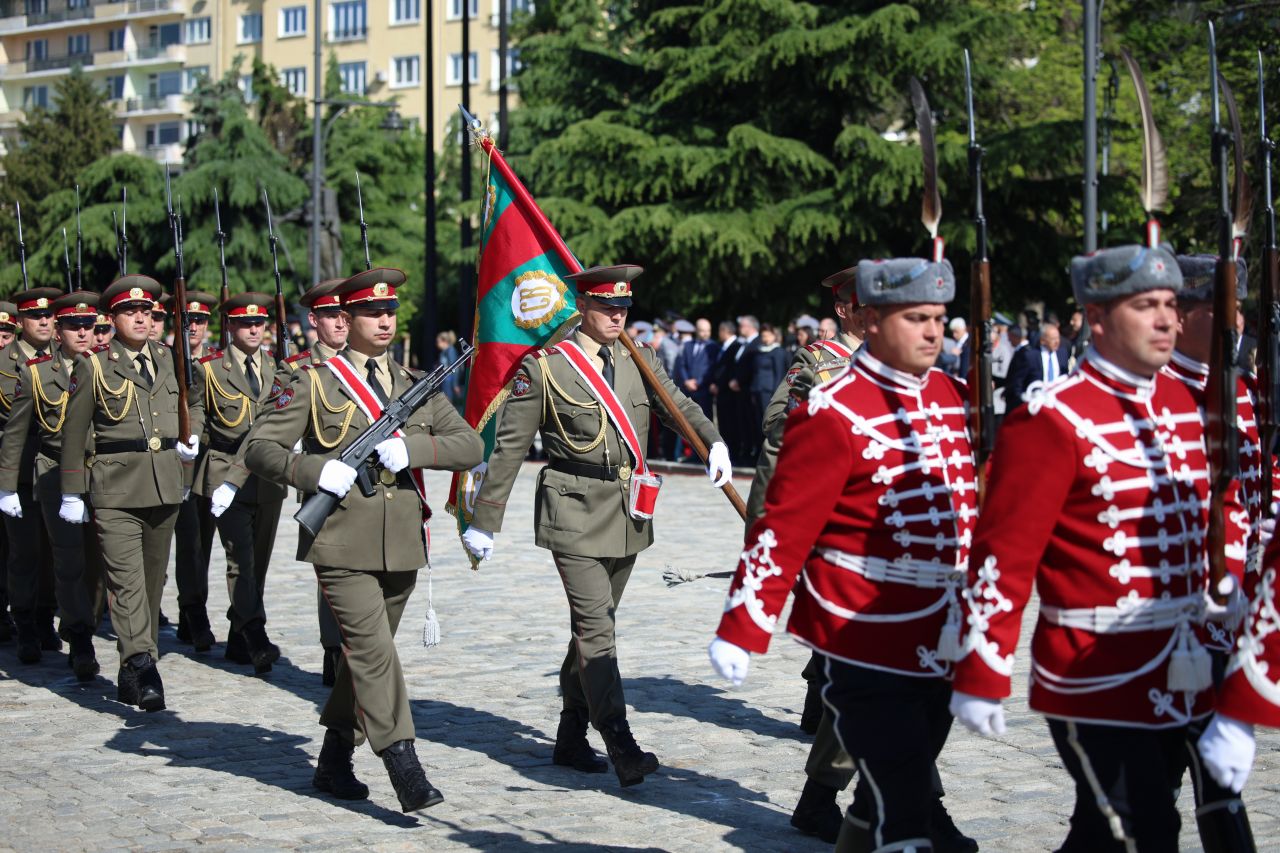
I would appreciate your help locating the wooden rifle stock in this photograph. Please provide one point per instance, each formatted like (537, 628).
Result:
(1268, 369)
(1220, 416)
(982, 413)
(683, 426)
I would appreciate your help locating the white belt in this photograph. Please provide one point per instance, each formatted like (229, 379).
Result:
(917, 573)
(1145, 614)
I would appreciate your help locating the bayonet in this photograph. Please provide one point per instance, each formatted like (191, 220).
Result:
(225, 294)
(22, 247)
(282, 328)
(79, 245)
(115, 229)
(124, 224)
(364, 228)
(66, 258)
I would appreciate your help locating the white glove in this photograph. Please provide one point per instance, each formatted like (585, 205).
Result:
(393, 454)
(10, 505)
(73, 510)
(189, 451)
(1232, 613)
(186, 493)
(981, 716)
(1227, 747)
(222, 498)
(337, 477)
(479, 542)
(719, 468)
(729, 661)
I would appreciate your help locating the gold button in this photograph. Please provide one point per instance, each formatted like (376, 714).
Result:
(155, 414)
(390, 495)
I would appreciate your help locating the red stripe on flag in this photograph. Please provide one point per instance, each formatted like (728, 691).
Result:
(537, 219)
(511, 244)
(493, 366)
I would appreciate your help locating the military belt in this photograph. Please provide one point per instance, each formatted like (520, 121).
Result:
(226, 445)
(609, 473)
(137, 445)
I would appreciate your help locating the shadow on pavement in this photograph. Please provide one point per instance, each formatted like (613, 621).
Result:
(712, 704)
(492, 839)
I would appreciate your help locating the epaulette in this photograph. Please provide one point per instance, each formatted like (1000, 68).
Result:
(306, 365)
(38, 359)
(96, 349)
(306, 353)
(815, 347)
(210, 357)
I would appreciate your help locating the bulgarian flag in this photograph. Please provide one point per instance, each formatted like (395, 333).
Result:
(522, 303)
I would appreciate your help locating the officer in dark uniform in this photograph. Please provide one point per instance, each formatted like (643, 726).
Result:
(232, 387)
(28, 556)
(8, 326)
(193, 534)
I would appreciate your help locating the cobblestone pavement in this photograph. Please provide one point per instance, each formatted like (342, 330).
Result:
(228, 766)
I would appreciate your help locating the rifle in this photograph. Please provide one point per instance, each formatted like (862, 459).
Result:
(66, 258)
(1221, 388)
(22, 247)
(115, 229)
(360, 455)
(222, 263)
(182, 344)
(1268, 309)
(124, 223)
(982, 413)
(364, 229)
(282, 328)
(79, 245)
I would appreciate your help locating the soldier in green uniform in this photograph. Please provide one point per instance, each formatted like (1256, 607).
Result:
(39, 407)
(367, 555)
(233, 387)
(102, 330)
(587, 398)
(124, 398)
(159, 316)
(8, 325)
(30, 592)
(193, 533)
(331, 324)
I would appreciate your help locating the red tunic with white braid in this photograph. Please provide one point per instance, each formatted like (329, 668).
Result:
(1098, 494)
(1244, 503)
(872, 505)
(1251, 689)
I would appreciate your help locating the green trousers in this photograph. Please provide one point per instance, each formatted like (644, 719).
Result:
(135, 547)
(589, 678)
(194, 541)
(74, 586)
(248, 531)
(370, 699)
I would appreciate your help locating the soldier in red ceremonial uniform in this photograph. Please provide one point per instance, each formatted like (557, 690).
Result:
(872, 506)
(1098, 494)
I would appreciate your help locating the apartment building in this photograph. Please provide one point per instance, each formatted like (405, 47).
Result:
(149, 54)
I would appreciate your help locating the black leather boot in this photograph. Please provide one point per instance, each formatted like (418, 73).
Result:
(49, 639)
(630, 762)
(572, 749)
(82, 659)
(262, 652)
(945, 835)
(7, 628)
(237, 650)
(146, 678)
(193, 627)
(408, 778)
(817, 812)
(334, 771)
(1224, 827)
(29, 650)
(329, 676)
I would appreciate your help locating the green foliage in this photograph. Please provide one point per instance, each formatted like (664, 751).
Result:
(744, 149)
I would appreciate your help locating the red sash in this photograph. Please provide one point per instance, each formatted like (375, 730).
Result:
(839, 350)
(582, 364)
(359, 391)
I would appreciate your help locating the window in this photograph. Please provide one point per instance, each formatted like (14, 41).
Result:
(191, 77)
(515, 8)
(406, 11)
(168, 133)
(199, 31)
(37, 7)
(406, 71)
(453, 74)
(115, 87)
(77, 44)
(347, 20)
(295, 80)
(164, 84)
(513, 65)
(77, 4)
(35, 96)
(455, 10)
(37, 49)
(293, 21)
(164, 35)
(250, 28)
(246, 87)
(115, 39)
(352, 75)
(191, 128)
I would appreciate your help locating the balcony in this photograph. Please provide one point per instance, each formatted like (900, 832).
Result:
(162, 153)
(348, 34)
(141, 56)
(47, 66)
(42, 21)
(141, 9)
(148, 107)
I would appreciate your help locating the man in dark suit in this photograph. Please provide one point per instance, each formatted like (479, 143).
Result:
(1044, 362)
(744, 365)
(693, 365)
(726, 402)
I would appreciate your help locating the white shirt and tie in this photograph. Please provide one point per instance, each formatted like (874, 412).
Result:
(1048, 365)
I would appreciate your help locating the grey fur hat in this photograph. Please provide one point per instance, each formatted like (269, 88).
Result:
(1198, 273)
(904, 281)
(1123, 271)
